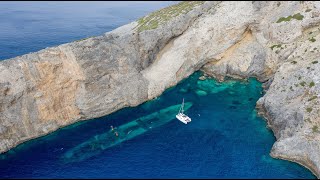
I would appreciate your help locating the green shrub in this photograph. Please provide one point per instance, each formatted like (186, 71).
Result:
(303, 83)
(275, 46)
(309, 109)
(315, 128)
(312, 39)
(308, 120)
(284, 19)
(312, 98)
(314, 62)
(278, 4)
(294, 62)
(297, 16)
(311, 84)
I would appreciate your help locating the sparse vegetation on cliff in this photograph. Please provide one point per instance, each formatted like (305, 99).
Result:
(309, 109)
(308, 10)
(315, 129)
(297, 16)
(311, 84)
(308, 120)
(84, 39)
(312, 39)
(294, 62)
(278, 4)
(153, 20)
(312, 98)
(276, 46)
(291, 88)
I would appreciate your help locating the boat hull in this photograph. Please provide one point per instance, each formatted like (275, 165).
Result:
(183, 118)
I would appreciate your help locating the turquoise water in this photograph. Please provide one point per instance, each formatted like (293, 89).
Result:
(225, 139)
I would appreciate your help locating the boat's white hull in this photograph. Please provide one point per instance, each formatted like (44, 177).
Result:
(183, 118)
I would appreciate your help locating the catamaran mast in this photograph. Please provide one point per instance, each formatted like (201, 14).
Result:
(182, 105)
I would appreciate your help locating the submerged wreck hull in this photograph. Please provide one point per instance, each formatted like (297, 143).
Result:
(127, 131)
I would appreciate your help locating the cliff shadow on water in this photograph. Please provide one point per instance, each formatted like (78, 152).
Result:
(226, 139)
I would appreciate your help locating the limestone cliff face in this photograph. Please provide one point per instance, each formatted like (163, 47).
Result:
(52, 88)
(277, 42)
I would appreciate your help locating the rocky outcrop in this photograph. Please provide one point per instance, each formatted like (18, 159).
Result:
(43, 91)
(292, 102)
(277, 42)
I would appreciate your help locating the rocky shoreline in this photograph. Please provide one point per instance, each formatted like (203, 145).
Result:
(277, 42)
(309, 165)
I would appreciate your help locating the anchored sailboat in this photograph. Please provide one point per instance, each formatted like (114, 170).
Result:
(182, 117)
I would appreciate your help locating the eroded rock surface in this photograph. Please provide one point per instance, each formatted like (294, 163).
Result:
(277, 42)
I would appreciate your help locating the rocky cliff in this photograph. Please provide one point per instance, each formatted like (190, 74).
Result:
(277, 42)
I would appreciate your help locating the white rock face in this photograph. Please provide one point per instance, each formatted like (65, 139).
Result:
(277, 42)
(199, 44)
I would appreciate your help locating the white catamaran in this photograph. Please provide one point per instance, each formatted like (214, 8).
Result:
(182, 117)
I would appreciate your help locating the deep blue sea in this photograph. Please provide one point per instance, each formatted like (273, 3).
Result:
(226, 138)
